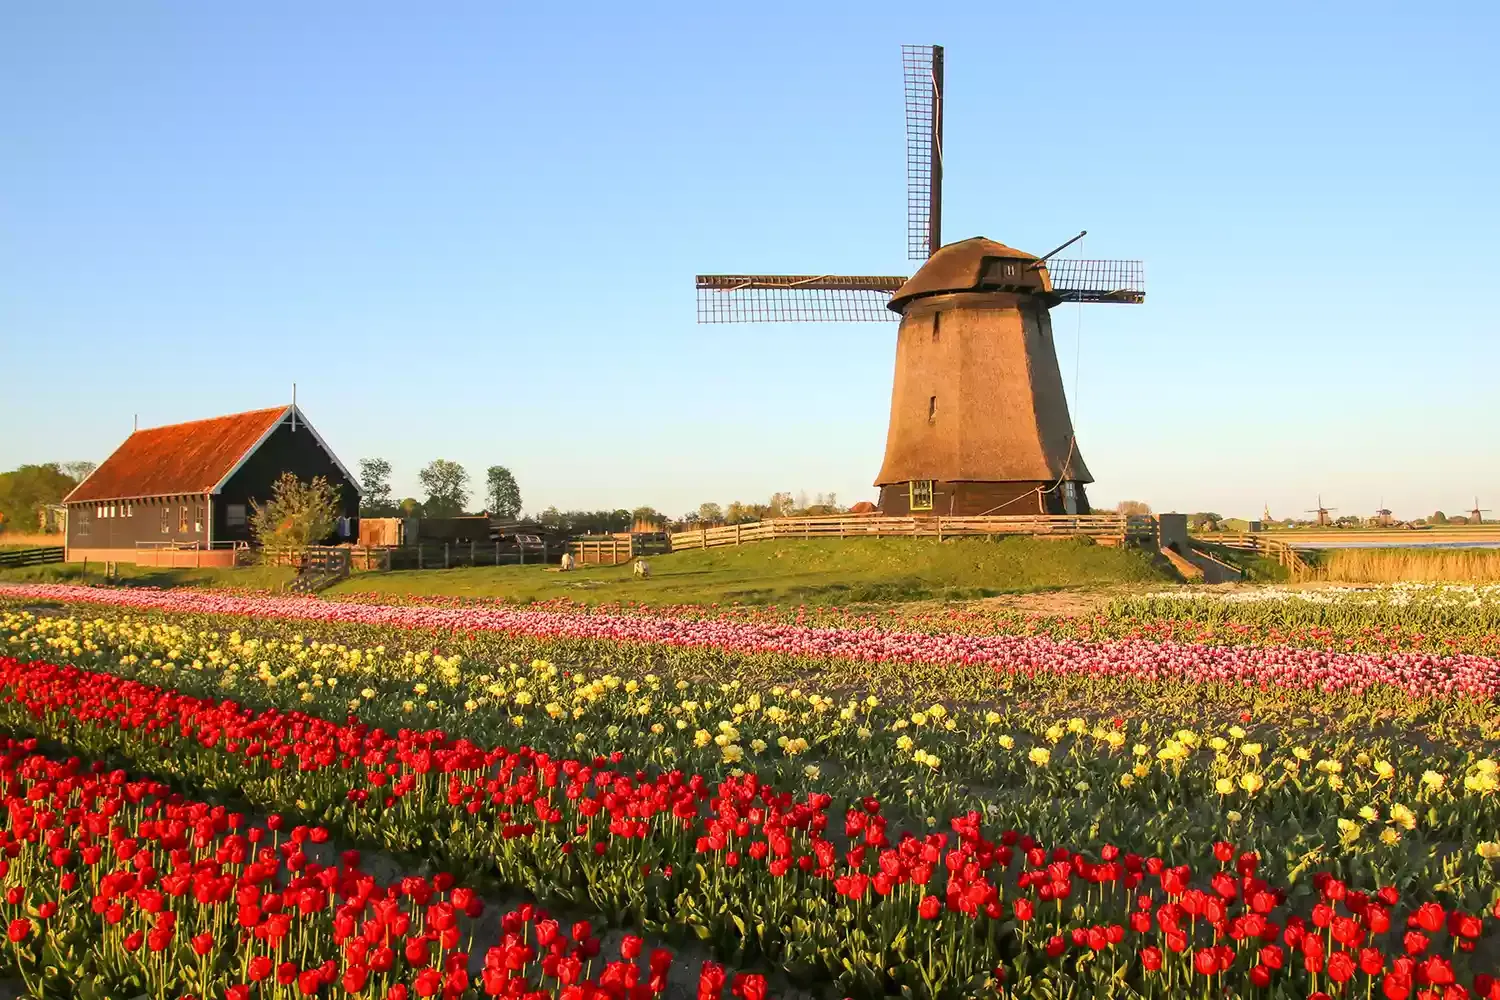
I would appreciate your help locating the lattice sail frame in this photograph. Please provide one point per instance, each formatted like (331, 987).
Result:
(922, 74)
(854, 298)
(795, 298)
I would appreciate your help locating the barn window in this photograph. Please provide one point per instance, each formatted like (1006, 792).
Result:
(921, 494)
(166, 520)
(1010, 270)
(99, 512)
(1070, 497)
(84, 521)
(182, 521)
(234, 515)
(197, 518)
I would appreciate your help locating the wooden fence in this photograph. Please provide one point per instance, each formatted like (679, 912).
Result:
(31, 557)
(446, 555)
(606, 550)
(1107, 528)
(1272, 548)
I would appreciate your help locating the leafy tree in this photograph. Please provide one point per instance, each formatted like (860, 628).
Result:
(1132, 507)
(80, 470)
(502, 493)
(710, 513)
(447, 486)
(375, 488)
(25, 490)
(409, 507)
(647, 515)
(297, 515)
(1438, 518)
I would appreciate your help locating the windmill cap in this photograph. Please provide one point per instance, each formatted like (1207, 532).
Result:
(960, 267)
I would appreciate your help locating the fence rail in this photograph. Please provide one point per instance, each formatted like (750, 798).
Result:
(31, 557)
(1272, 548)
(1103, 527)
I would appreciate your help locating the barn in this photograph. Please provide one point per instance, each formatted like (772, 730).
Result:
(182, 494)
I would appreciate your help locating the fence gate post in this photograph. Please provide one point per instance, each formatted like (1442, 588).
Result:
(736, 532)
(419, 555)
(445, 555)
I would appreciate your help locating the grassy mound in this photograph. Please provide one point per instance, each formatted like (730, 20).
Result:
(812, 572)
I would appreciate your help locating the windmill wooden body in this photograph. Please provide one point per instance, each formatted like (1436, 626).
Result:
(1324, 520)
(979, 418)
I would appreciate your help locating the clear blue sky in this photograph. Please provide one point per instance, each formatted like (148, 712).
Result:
(469, 230)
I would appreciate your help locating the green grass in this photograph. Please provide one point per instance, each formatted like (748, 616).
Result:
(875, 570)
(811, 572)
(256, 577)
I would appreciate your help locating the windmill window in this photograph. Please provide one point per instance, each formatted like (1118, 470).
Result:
(920, 494)
(1070, 497)
(937, 325)
(932, 410)
(1010, 270)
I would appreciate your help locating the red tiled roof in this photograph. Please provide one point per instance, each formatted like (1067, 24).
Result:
(178, 458)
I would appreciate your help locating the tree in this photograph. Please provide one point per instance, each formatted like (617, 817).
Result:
(1132, 507)
(375, 488)
(297, 515)
(26, 490)
(710, 513)
(502, 493)
(1438, 518)
(647, 515)
(447, 486)
(80, 470)
(409, 507)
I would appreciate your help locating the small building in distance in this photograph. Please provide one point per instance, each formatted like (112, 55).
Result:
(182, 494)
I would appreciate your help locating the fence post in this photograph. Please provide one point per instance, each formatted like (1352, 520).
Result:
(703, 538)
(445, 555)
(520, 553)
(419, 555)
(736, 532)
(497, 553)
(940, 527)
(472, 560)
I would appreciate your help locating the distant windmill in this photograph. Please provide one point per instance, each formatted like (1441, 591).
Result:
(1383, 518)
(1323, 519)
(979, 422)
(1476, 516)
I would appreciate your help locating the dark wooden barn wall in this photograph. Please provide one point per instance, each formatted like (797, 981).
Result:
(143, 524)
(285, 450)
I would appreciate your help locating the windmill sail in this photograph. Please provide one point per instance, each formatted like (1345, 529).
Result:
(922, 70)
(791, 298)
(1098, 280)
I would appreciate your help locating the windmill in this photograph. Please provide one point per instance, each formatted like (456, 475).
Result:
(1322, 512)
(1476, 516)
(979, 422)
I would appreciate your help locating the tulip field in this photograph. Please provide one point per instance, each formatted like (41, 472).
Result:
(254, 797)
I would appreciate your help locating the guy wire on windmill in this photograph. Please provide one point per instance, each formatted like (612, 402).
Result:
(979, 420)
